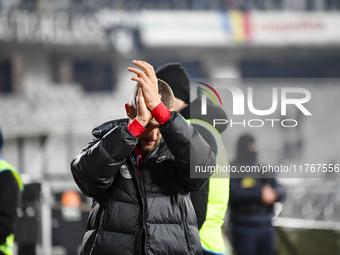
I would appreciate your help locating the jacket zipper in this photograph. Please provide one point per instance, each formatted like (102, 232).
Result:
(143, 197)
(99, 230)
(186, 228)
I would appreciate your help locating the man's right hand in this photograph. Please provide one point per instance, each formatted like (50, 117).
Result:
(143, 113)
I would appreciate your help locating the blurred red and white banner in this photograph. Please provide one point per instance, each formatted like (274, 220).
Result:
(287, 28)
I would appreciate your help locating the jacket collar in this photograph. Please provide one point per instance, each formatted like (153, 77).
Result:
(101, 130)
(104, 128)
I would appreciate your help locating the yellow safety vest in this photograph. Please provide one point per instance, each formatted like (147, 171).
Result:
(6, 248)
(211, 230)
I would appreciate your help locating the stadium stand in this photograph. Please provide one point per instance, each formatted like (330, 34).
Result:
(45, 121)
(90, 6)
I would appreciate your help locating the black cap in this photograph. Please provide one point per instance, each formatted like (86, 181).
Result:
(1, 140)
(178, 79)
(244, 154)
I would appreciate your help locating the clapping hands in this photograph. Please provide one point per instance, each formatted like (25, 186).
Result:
(148, 97)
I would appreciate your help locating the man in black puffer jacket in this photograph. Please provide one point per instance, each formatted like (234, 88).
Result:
(138, 173)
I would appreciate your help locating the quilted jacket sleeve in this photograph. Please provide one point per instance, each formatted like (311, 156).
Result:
(96, 165)
(190, 150)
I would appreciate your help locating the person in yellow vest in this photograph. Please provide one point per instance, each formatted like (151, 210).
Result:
(210, 203)
(10, 188)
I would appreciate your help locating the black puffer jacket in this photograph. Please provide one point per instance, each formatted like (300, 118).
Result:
(151, 209)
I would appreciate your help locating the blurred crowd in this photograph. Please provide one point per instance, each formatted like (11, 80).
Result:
(76, 6)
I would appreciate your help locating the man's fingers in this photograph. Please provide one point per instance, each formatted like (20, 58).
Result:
(139, 80)
(140, 94)
(142, 64)
(148, 73)
(141, 101)
(148, 69)
(140, 73)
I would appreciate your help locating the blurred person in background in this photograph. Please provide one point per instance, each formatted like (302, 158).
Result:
(10, 187)
(251, 204)
(137, 171)
(210, 203)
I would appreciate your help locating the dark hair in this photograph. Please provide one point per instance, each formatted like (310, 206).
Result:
(164, 90)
